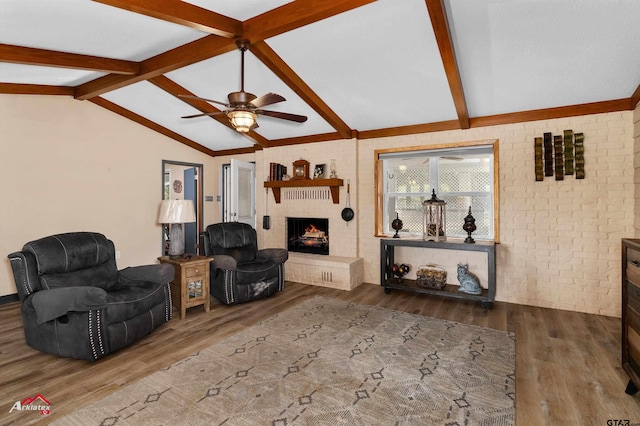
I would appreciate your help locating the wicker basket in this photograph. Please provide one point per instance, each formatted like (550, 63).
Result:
(431, 276)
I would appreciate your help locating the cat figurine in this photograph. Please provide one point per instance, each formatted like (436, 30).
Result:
(469, 282)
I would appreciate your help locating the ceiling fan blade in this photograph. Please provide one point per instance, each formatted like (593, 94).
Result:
(282, 115)
(268, 99)
(203, 115)
(204, 99)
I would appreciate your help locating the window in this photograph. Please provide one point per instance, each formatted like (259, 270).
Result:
(463, 175)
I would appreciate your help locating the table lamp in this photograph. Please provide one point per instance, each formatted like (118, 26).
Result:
(174, 213)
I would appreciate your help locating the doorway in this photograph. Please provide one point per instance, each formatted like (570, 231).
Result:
(183, 181)
(239, 192)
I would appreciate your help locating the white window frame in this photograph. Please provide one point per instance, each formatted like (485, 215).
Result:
(382, 222)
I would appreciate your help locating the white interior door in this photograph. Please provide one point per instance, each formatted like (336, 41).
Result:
(243, 192)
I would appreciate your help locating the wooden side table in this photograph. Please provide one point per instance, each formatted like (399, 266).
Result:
(190, 286)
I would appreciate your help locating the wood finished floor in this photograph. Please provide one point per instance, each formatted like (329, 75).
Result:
(567, 364)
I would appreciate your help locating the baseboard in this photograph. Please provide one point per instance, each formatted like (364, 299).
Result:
(9, 298)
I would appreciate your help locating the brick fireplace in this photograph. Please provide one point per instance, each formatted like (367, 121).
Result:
(341, 268)
(308, 242)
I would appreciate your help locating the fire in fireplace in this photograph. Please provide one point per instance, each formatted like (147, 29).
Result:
(308, 235)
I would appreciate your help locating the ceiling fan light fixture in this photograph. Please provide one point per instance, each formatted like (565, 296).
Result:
(242, 121)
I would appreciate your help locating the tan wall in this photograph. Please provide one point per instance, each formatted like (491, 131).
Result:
(67, 165)
(560, 240)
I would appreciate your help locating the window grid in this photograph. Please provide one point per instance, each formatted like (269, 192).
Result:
(461, 181)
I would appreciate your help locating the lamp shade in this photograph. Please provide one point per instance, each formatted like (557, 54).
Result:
(177, 211)
(242, 121)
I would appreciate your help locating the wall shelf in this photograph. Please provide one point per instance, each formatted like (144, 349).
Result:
(333, 184)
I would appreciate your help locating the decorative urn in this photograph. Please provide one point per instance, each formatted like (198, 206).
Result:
(469, 226)
(397, 225)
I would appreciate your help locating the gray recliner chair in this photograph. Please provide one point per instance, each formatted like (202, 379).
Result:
(239, 271)
(75, 302)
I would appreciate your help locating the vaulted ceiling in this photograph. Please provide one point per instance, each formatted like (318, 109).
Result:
(355, 68)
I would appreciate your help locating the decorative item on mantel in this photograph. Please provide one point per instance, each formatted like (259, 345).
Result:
(300, 169)
(332, 169)
(397, 225)
(469, 226)
(434, 219)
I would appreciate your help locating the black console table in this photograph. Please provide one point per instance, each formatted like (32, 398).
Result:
(387, 247)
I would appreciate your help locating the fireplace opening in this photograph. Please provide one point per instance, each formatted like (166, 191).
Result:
(308, 235)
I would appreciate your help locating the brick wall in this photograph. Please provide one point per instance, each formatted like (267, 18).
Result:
(560, 240)
(343, 236)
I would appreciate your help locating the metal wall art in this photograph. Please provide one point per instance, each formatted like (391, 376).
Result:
(559, 155)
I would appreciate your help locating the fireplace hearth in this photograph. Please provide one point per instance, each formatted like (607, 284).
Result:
(308, 235)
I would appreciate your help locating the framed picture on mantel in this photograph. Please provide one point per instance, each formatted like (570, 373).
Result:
(318, 171)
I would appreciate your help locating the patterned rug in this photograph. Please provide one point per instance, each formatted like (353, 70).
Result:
(329, 362)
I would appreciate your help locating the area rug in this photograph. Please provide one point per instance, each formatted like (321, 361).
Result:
(329, 362)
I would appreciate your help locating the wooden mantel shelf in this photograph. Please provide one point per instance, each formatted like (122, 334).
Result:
(333, 184)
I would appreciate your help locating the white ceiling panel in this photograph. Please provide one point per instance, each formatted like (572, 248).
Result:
(532, 54)
(217, 77)
(89, 28)
(240, 10)
(29, 74)
(374, 67)
(154, 104)
(377, 66)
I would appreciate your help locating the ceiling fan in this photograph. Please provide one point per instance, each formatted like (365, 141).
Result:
(244, 107)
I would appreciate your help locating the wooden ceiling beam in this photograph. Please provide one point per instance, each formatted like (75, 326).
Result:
(294, 15)
(50, 58)
(635, 98)
(551, 113)
(150, 124)
(280, 68)
(440, 24)
(177, 90)
(171, 60)
(414, 129)
(163, 130)
(269, 24)
(182, 13)
(34, 89)
(299, 140)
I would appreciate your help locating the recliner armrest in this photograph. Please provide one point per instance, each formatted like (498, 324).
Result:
(162, 273)
(277, 255)
(222, 261)
(25, 273)
(54, 303)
